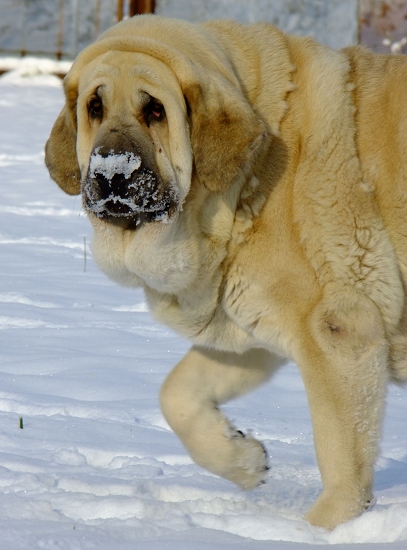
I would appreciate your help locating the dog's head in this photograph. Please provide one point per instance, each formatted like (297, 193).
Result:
(142, 119)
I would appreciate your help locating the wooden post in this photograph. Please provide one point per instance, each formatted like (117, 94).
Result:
(60, 35)
(119, 10)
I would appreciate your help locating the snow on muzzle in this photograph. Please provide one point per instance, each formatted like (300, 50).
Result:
(119, 189)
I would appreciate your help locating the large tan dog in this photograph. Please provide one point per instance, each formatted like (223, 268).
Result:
(255, 185)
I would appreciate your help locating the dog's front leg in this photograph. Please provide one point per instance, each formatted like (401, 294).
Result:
(190, 397)
(343, 362)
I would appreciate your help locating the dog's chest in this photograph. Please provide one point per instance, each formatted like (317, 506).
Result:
(230, 313)
(199, 315)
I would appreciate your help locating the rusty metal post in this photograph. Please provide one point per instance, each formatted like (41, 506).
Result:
(141, 6)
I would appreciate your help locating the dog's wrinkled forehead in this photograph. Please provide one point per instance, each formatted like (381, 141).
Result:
(130, 73)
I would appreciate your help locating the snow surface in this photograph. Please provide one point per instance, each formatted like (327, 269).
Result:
(95, 465)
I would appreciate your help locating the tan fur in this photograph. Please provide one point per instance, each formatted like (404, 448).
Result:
(290, 240)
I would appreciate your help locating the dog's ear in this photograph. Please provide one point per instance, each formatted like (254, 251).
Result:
(60, 152)
(225, 133)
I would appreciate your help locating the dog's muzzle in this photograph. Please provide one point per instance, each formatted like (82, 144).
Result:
(119, 189)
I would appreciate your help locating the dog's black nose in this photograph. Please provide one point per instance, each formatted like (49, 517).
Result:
(108, 183)
(112, 164)
(118, 185)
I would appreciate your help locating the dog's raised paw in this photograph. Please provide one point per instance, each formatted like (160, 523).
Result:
(251, 463)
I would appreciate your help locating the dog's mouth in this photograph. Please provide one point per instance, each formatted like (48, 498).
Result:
(120, 190)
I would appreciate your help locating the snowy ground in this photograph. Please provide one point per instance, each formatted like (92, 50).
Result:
(95, 465)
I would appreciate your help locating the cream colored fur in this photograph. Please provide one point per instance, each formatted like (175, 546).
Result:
(290, 240)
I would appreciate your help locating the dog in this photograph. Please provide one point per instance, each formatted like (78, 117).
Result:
(254, 184)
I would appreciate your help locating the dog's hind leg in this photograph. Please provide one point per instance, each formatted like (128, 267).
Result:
(398, 358)
(398, 351)
(190, 398)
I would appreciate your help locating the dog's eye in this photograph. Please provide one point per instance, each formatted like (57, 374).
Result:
(154, 111)
(95, 108)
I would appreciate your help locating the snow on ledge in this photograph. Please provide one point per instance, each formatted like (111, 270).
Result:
(32, 71)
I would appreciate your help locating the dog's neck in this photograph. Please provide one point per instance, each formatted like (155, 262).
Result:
(196, 310)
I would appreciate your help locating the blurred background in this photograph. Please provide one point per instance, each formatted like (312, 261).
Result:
(61, 28)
